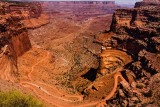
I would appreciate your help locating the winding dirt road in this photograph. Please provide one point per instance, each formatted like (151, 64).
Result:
(32, 69)
(57, 97)
(116, 78)
(61, 99)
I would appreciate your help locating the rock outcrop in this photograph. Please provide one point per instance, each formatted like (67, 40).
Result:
(79, 9)
(14, 33)
(31, 12)
(136, 31)
(112, 59)
(141, 20)
(147, 3)
(14, 40)
(33, 9)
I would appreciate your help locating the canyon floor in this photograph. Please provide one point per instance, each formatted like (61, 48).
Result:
(81, 58)
(61, 51)
(62, 54)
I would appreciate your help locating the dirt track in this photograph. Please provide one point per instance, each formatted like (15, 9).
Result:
(60, 98)
(116, 78)
(55, 97)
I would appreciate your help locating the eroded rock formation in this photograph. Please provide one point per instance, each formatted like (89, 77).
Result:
(79, 10)
(31, 12)
(112, 59)
(14, 41)
(33, 9)
(130, 56)
(147, 2)
(136, 31)
(112, 62)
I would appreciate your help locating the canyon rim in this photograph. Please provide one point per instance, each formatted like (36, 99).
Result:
(81, 53)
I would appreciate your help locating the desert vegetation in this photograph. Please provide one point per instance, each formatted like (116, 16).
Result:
(17, 99)
(77, 54)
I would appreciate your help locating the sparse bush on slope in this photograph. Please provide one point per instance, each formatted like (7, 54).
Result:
(17, 99)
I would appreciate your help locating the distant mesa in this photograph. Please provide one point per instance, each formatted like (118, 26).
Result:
(84, 2)
(77, 2)
(147, 3)
(151, 0)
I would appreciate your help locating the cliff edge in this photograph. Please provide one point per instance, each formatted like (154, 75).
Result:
(147, 3)
(137, 32)
(14, 41)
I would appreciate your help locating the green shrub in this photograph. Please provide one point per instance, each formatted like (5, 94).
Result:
(17, 99)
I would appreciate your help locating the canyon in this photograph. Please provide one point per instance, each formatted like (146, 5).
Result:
(78, 54)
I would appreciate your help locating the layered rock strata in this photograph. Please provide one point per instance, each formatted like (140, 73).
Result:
(136, 31)
(79, 10)
(14, 40)
(32, 14)
(147, 2)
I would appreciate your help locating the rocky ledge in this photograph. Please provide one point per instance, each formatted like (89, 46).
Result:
(137, 32)
(147, 3)
(32, 13)
(14, 40)
(13, 33)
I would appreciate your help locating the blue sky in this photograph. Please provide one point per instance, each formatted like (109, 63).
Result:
(126, 1)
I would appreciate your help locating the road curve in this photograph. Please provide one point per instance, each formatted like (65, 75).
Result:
(61, 99)
(116, 78)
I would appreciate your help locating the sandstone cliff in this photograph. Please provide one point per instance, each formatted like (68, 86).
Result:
(136, 31)
(31, 12)
(147, 3)
(79, 10)
(14, 40)
(141, 24)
